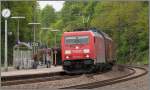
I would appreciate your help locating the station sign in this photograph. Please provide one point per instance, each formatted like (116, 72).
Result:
(35, 44)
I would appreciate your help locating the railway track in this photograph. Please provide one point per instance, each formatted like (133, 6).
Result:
(136, 72)
(16, 80)
(34, 78)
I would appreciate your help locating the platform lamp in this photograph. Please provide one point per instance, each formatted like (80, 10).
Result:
(34, 24)
(55, 52)
(6, 14)
(18, 24)
(44, 28)
(18, 19)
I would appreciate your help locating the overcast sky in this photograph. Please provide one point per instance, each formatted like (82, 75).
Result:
(57, 5)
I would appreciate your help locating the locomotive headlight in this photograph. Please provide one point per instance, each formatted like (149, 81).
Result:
(87, 56)
(67, 57)
(86, 50)
(67, 51)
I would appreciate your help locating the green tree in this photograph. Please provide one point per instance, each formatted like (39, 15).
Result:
(47, 16)
(124, 22)
(23, 8)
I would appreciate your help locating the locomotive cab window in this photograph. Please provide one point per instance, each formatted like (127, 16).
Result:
(76, 39)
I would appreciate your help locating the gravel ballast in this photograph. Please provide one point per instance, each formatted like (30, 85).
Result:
(83, 79)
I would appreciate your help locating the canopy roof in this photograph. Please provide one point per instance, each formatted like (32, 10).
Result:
(23, 45)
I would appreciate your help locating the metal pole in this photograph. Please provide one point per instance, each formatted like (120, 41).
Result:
(55, 39)
(55, 52)
(18, 31)
(18, 41)
(52, 56)
(34, 39)
(33, 29)
(6, 66)
(55, 48)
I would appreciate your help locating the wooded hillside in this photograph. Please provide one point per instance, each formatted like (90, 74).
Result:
(125, 22)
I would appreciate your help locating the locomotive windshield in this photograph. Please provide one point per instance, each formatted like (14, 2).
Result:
(76, 40)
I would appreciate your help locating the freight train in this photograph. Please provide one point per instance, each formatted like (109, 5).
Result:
(85, 51)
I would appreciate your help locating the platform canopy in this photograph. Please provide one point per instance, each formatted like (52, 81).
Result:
(23, 45)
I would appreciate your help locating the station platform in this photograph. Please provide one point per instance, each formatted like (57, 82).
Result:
(52, 69)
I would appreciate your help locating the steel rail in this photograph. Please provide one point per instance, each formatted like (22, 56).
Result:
(26, 79)
(35, 78)
(28, 76)
(110, 81)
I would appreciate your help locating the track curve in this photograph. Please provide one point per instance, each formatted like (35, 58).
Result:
(136, 72)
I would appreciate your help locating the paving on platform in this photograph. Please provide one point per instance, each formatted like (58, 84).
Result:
(10, 68)
(52, 69)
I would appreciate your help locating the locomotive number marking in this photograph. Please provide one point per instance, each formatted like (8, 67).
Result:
(77, 51)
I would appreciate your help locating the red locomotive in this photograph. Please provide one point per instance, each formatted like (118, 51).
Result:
(86, 51)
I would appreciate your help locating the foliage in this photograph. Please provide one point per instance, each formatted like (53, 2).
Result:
(125, 22)
(47, 16)
(24, 8)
